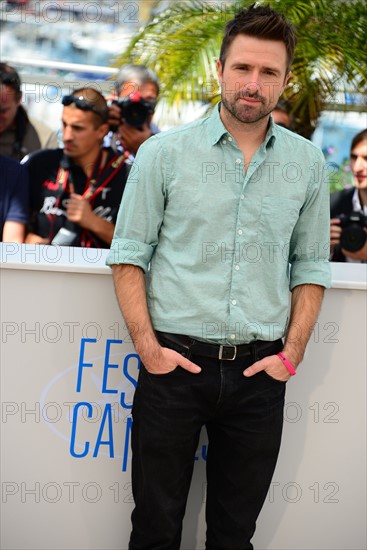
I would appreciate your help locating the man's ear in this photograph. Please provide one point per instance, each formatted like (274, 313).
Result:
(103, 130)
(288, 76)
(19, 99)
(219, 70)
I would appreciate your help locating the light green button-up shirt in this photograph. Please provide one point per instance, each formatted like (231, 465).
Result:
(223, 246)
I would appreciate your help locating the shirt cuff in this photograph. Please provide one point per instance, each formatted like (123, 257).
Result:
(127, 251)
(310, 273)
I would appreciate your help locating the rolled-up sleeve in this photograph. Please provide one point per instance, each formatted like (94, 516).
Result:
(310, 241)
(141, 211)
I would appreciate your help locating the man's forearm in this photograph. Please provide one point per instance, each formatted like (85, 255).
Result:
(33, 238)
(13, 232)
(102, 228)
(305, 308)
(131, 295)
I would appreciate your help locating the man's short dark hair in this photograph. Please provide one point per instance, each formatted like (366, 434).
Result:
(260, 22)
(10, 77)
(97, 100)
(358, 138)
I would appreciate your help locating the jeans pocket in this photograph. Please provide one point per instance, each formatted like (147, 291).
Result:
(273, 349)
(167, 343)
(162, 374)
(266, 375)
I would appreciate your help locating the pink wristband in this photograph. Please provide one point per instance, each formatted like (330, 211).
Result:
(288, 365)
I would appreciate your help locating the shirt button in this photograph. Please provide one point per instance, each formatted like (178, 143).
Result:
(234, 302)
(224, 142)
(232, 336)
(240, 231)
(230, 139)
(237, 267)
(242, 197)
(238, 161)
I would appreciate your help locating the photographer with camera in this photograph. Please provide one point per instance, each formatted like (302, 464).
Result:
(131, 113)
(348, 224)
(76, 191)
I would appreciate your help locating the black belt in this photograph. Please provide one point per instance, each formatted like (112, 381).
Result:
(218, 351)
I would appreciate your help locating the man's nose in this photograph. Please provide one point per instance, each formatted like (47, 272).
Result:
(360, 164)
(67, 133)
(253, 86)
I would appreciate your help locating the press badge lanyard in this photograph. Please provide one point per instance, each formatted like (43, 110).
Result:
(62, 178)
(92, 190)
(91, 187)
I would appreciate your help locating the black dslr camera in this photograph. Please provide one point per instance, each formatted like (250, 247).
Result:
(353, 235)
(135, 110)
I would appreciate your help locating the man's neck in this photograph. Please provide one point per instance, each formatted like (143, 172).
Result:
(247, 135)
(362, 193)
(87, 162)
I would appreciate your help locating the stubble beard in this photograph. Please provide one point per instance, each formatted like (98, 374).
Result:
(245, 113)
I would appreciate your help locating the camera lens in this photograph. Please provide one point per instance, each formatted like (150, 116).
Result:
(353, 238)
(135, 114)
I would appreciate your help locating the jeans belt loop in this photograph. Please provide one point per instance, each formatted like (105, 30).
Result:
(220, 356)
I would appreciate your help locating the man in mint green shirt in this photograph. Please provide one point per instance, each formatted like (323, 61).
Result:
(226, 215)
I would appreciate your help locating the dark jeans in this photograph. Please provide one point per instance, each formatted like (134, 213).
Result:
(243, 418)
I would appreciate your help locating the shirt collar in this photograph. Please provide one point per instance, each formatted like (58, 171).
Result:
(216, 126)
(357, 207)
(217, 129)
(273, 133)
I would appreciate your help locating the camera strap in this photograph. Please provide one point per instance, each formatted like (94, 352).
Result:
(98, 180)
(95, 185)
(102, 176)
(62, 179)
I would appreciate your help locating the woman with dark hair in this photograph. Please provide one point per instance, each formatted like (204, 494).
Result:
(348, 209)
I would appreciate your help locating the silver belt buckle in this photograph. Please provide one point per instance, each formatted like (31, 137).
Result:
(221, 358)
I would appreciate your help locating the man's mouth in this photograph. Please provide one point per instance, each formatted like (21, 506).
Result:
(250, 99)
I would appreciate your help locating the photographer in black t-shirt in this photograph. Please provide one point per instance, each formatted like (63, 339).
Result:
(76, 191)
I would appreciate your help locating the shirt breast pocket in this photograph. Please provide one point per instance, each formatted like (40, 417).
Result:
(278, 217)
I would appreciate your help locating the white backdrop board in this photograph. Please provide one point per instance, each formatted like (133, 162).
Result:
(68, 374)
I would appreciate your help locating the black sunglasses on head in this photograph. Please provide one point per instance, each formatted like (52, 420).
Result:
(83, 104)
